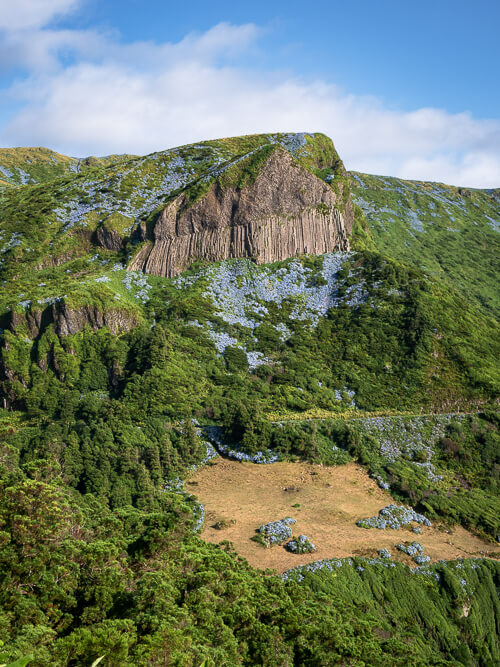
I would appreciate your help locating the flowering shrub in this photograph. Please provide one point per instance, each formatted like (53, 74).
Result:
(395, 517)
(331, 564)
(14, 241)
(300, 545)
(276, 532)
(243, 293)
(416, 551)
(293, 142)
(199, 516)
(239, 290)
(413, 549)
(408, 438)
(215, 434)
(422, 560)
(138, 282)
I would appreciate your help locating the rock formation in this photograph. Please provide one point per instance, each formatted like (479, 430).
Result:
(67, 321)
(284, 211)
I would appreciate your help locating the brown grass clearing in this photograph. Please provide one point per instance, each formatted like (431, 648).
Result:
(243, 496)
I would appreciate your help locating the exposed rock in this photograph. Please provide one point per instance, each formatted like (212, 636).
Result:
(286, 211)
(108, 238)
(69, 321)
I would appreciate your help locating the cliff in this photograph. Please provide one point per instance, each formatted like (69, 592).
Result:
(266, 206)
(67, 321)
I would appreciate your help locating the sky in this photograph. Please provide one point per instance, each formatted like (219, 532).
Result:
(404, 89)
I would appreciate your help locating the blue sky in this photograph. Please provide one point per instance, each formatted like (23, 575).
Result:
(427, 53)
(408, 89)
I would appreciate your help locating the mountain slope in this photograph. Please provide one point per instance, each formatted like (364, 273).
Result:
(121, 205)
(27, 166)
(454, 233)
(116, 384)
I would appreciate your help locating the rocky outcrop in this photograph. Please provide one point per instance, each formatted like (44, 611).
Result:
(108, 238)
(284, 212)
(71, 320)
(67, 321)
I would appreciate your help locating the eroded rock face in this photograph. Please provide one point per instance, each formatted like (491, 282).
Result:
(286, 211)
(108, 238)
(67, 321)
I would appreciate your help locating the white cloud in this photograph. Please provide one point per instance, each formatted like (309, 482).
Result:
(25, 14)
(144, 97)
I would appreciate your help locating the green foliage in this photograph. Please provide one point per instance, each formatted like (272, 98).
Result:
(98, 561)
(451, 232)
(243, 173)
(39, 165)
(323, 209)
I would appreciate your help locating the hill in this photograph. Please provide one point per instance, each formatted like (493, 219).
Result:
(27, 166)
(453, 233)
(246, 298)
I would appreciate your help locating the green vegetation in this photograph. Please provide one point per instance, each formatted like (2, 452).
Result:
(453, 233)
(20, 166)
(446, 466)
(102, 371)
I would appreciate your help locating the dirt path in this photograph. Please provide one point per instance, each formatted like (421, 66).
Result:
(330, 499)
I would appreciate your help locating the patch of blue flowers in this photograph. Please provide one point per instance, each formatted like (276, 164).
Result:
(416, 551)
(239, 289)
(293, 142)
(331, 564)
(199, 516)
(422, 560)
(413, 549)
(13, 242)
(409, 438)
(277, 532)
(300, 545)
(177, 486)
(137, 283)
(215, 433)
(394, 517)
(223, 340)
(241, 293)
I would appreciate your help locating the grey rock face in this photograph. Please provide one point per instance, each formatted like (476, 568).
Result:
(286, 211)
(67, 321)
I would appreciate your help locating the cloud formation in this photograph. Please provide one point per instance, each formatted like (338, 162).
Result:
(85, 92)
(24, 14)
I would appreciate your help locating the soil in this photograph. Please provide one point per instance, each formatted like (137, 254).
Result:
(325, 501)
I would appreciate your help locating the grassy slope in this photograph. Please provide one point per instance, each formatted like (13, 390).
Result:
(21, 166)
(451, 232)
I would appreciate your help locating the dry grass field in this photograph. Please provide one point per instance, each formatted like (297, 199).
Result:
(325, 501)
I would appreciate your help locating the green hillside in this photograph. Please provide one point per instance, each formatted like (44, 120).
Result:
(42, 223)
(453, 233)
(116, 385)
(27, 166)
